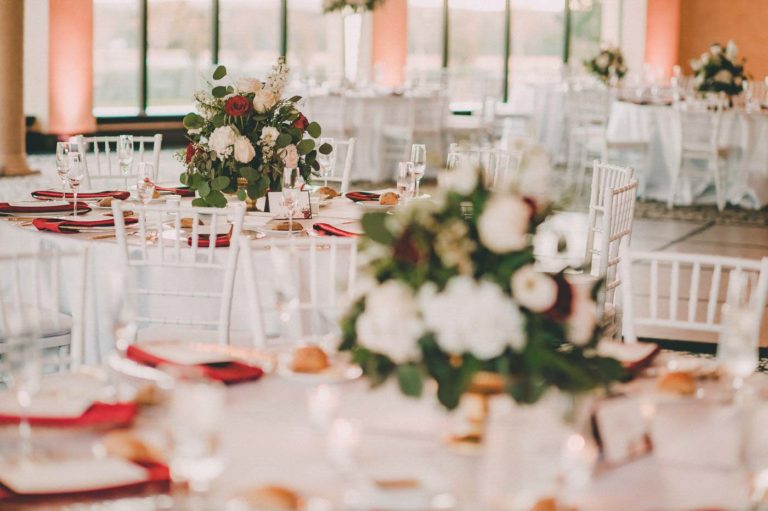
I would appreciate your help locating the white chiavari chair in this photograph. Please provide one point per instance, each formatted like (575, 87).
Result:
(698, 133)
(301, 286)
(605, 179)
(345, 157)
(330, 111)
(588, 110)
(100, 158)
(500, 166)
(683, 292)
(182, 287)
(45, 290)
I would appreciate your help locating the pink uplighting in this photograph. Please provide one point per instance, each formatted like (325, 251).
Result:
(390, 42)
(662, 35)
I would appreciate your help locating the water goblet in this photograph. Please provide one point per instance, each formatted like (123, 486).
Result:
(327, 161)
(290, 194)
(145, 186)
(62, 164)
(75, 174)
(125, 155)
(405, 180)
(419, 160)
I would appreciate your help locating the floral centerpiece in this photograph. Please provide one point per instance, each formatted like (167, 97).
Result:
(247, 131)
(608, 64)
(719, 70)
(452, 294)
(353, 5)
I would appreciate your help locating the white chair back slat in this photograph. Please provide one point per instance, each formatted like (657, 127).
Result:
(742, 275)
(345, 156)
(105, 148)
(501, 167)
(205, 276)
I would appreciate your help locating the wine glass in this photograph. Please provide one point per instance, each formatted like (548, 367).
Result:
(290, 196)
(125, 155)
(419, 160)
(75, 174)
(145, 185)
(62, 164)
(737, 350)
(405, 180)
(327, 161)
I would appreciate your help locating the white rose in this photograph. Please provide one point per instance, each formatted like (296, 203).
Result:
(248, 85)
(696, 65)
(532, 289)
(244, 151)
(222, 139)
(602, 61)
(731, 50)
(723, 76)
(269, 135)
(390, 324)
(715, 49)
(264, 100)
(290, 156)
(462, 179)
(503, 224)
(472, 317)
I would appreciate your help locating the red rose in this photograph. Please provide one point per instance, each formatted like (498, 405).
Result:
(238, 106)
(301, 122)
(191, 151)
(564, 303)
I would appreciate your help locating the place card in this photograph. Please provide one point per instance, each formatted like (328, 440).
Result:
(303, 211)
(621, 428)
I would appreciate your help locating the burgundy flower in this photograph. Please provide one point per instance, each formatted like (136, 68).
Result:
(302, 122)
(191, 152)
(238, 106)
(564, 303)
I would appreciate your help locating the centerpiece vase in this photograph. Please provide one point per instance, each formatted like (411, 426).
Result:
(352, 35)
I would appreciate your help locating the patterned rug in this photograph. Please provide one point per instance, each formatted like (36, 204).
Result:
(731, 215)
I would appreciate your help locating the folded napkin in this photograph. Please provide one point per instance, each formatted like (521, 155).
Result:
(184, 191)
(113, 414)
(55, 194)
(72, 226)
(330, 230)
(363, 196)
(157, 473)
(226, 372)
(6, 207)
(203, 240)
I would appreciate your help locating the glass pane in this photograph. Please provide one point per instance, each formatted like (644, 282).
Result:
(179, 59)
(476, 48)
(116, 57)
(586, 17)
(537, 37)
(314, 42)
(250, 36)
(425, 39)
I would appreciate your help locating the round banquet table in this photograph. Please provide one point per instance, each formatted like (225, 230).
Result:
(267, 439)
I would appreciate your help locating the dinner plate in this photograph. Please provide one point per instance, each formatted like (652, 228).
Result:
(375, 206)
(339, 371)
(276, 232)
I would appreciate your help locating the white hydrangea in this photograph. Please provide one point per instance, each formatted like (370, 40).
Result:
(472, 317)
(534, 290)
(503, 224)
(222, 139)
(390, 324)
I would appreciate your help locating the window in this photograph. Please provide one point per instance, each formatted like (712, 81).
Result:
(249, 34)
(314, 41)
(116, 56)
(585, 29)
(425, 39)
(538, 28)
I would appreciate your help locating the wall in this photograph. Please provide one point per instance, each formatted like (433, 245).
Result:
(703, 22)
(36, 61)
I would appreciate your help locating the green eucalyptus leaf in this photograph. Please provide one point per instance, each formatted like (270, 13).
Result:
(193, 121)
(217, 199)
(294, 99)
(410, 379)
(375, 227)
(204, 189)
(305, 146)
(219, 91)
(220, 183)
(199, 203)
(241, 194)
(249, 173)
(219, 119)
(219, 73)
(283, 140)
(184, 178)
(325, 148)
(314, 130)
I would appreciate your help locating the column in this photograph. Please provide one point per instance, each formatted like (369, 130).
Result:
(662, 34)
(390, 41)
(13, 158)
(70, 67)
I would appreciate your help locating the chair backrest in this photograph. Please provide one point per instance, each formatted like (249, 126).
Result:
(429, 113)
(699, 127)
(500, 166)
(297, 285)
(101, 158)
(710, 279)
(345, 158)
(330, 111)
(605, 177)
(45, 291)
(167, 263)
(588, 107)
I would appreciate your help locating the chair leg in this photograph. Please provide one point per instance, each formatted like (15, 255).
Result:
(673, 186)
(719, 193)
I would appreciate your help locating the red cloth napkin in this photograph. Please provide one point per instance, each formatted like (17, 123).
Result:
(71, 226)
(329, 230)
(5, 207)
(55, 194)
(363, 196)
(229, 372)
(184, 191)
(157, 473)
(113, 414)
(203, 240)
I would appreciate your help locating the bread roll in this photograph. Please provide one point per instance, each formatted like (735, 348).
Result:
(309, 359)
(389, 199)
(678, 382)
(272, 498)
(123, 443)
(106, 202)
(327, 191)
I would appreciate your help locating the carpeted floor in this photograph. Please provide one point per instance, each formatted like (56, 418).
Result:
(731, 215)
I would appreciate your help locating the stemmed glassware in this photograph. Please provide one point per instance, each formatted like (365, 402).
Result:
(75, 174)
(419, 161)
(145, 186)
(62, 164)
(327, 161)
(125, 155)
(290, 196)
(737, 350)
